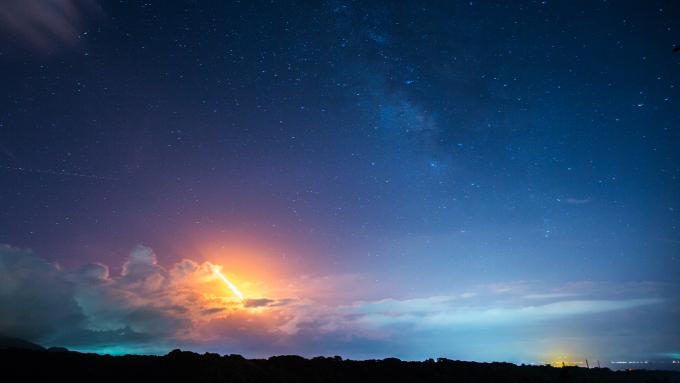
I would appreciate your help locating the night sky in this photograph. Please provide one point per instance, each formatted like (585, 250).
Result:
(475, 180)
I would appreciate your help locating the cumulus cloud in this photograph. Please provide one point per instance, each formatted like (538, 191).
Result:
(88, 306)
(35, 299)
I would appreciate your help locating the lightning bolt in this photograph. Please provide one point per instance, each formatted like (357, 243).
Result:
(226, 281)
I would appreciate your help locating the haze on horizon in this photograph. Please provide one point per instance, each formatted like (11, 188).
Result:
(475, 180)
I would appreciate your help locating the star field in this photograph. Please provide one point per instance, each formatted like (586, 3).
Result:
(506, 155)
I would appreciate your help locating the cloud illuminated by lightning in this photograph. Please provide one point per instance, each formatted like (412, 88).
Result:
(224, 279)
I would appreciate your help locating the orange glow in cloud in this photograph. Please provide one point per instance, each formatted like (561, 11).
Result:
(255, 269)
(261, 271)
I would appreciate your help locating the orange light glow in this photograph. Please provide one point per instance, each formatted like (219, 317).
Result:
(256, 269)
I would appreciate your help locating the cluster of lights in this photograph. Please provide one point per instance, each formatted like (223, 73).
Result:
(629, 362)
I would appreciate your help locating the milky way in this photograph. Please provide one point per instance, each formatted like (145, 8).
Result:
(475, 180)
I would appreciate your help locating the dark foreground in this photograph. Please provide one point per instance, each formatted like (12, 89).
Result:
(50, 366)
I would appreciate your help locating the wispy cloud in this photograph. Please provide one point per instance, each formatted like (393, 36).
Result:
(445, 313)
(578, 201)
(45, 25)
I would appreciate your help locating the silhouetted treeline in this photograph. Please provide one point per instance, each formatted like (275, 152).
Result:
(181, 366)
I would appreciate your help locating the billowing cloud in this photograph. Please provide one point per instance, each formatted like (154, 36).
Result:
(151, 308)
(87, 306)
(35, 298)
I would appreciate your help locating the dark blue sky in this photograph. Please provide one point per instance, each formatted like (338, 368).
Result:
(437, 149)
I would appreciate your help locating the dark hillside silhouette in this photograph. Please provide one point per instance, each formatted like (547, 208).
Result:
(181, 366)
(8, 342)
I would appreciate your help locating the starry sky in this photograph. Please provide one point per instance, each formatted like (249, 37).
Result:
(472, 179)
